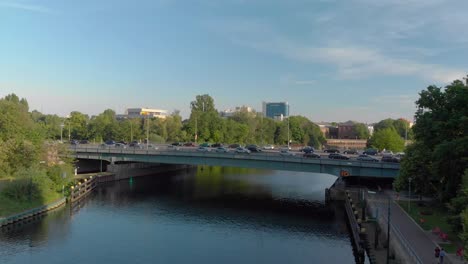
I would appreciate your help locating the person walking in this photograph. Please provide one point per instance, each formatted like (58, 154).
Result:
(441, 256)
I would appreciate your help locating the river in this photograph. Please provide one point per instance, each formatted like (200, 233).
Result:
(202, 215)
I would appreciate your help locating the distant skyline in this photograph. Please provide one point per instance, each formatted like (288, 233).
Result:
(332, 60)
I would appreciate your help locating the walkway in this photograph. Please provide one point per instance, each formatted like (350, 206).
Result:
(418, 241)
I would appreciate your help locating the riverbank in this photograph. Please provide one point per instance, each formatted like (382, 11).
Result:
(10, 206)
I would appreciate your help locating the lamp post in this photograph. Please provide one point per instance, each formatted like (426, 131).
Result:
(69, 128)
(388, 232)
(147, 131)
(61, 132)
(409, 194)
(288, 133)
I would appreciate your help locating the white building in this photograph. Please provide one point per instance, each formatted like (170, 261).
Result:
(231, 112)
(143, 112)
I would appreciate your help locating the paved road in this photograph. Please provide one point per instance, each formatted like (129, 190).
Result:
(418, 240)
(296, 152)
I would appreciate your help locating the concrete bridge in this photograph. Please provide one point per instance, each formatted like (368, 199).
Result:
(263, 160)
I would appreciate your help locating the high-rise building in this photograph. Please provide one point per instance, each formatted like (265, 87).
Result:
(275, 110)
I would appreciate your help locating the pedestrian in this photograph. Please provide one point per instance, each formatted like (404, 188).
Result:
(441, 256)
(436, 252)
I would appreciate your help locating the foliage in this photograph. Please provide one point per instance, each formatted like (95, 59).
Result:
(361, 131)
(400, 125)
(438, 159)
(388, 139)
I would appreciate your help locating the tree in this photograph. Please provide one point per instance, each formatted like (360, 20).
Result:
(387, 139)
(361, 131)
(438, 158)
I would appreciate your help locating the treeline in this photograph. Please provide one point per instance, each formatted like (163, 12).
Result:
(437, 161)
(203, 125)
(390, 134)
(33, 165)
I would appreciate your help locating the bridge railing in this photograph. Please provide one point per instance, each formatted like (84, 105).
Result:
(266, 156)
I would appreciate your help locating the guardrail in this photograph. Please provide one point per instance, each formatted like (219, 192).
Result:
(394, 230)
(354, 226)
(269, 156)
(82, 189)
(31, 213)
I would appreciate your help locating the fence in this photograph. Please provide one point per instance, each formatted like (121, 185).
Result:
(31, 213)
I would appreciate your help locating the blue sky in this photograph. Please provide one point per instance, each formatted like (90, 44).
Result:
(332, 60)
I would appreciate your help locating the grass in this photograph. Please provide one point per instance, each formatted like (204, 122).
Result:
(438, 218)
(10, 207)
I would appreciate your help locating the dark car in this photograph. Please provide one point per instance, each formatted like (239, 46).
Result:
(217, 145)
(178, 144)
(331, 151)
(234, 146)
(337, 156)
(189, 144)
(350, 151)
(122, 142)
(364, 157)
(74, 142)
(307, 149)
(372, 152)
(390, 159)
(311, 155)
(206, 145)
(84, 141)
(110, 142)
(253, 148)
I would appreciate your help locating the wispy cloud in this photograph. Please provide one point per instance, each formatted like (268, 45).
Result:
(305, 82)
(351, 61)
(27, 7)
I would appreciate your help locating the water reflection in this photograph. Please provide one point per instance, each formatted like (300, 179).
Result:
(201, 215)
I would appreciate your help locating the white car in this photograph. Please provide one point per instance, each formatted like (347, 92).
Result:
(286, 152)
(203, 149)
(242, 150)
(222, 150)
(268, 147)
(171, 147)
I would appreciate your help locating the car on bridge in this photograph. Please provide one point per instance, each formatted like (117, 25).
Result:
(190, 144)
(222, 150)
(84, 141)
(268, 147)
(311, 155)
(203, 149)
(206, 144)
(177, 144)
(253, 148)
(350, 151)
(120, 145)
(331, 150)
(390, 159)
(286, 152)
(307, 149)
(337, 156)
(110, 142)
(172, 147)
(234, 146)
(74, 142)
(364, 157)
(135, 145)
(217, 145)
(242, 150)
(370, 151)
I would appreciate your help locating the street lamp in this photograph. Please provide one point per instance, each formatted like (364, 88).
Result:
(288, 133)
(409, 193)
(61, 132)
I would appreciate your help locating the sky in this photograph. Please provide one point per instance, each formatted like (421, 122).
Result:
(332, 60)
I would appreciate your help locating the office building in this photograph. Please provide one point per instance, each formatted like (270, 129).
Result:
(275, 110)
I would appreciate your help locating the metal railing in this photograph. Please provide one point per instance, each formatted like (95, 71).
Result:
(30, 213)
(268, 156)
(381, 204)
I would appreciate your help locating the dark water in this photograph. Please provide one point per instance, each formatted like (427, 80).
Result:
(214, 215)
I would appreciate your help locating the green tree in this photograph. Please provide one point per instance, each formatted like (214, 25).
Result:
(387, 139)
(361, 131)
